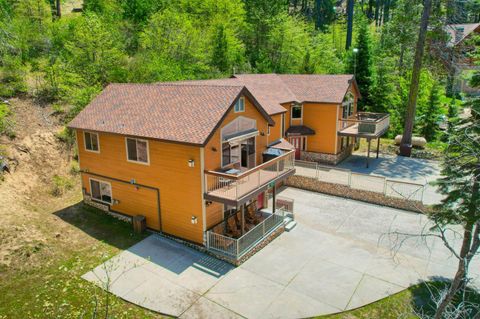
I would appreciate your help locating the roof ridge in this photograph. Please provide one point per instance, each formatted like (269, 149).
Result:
(178, 84)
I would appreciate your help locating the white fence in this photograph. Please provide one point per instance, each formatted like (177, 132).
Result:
(373, 183)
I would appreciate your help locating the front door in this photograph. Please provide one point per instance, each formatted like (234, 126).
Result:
(297, 143)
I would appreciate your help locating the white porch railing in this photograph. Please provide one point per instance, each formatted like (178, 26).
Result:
(235, 248)
(233, 187)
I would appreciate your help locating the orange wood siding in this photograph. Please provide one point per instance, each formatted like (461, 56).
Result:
(275, 131)
(179, 184)
(323, 119)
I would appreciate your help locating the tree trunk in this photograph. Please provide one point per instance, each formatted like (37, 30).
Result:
(59, 8)
(460, 276)
(349, 24)
(406, 144)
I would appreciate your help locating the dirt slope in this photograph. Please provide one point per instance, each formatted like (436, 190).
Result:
(35, 155)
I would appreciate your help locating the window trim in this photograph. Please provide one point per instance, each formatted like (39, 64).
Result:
(301, 112)
(242, 98)
(148, 150)
(85, 141)
(90, 179)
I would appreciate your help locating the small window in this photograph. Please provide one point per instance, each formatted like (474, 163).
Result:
(101, 191)
(240, 105)
(91, 142)
(296, 112)
(137, 150)
(225, 153)
(268, 130)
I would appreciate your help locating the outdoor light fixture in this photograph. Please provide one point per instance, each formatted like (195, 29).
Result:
(194, 220)
(133, 181)
(191, 163)
(115, 202)
(214, 149)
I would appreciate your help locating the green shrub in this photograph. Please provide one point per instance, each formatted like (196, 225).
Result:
(74, 167)
(12, 77)
(6, 122)
(66, 136)
(60, 185)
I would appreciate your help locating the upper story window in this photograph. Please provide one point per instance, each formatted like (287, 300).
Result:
(91, 142)
(137, 150)
(101, 191)
(348, 105)
(268, 130)
(240, 105)
(297, 112)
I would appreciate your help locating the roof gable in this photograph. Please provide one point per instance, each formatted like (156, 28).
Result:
(178, 113)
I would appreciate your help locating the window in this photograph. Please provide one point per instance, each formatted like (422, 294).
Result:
(348, 105)
(101, 191)
(283, 125)
(137, 150)
(225, 153)
(91, 142)
(268, 130)
(296, 112)
(240, 105)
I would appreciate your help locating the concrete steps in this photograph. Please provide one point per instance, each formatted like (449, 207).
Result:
(289, 224)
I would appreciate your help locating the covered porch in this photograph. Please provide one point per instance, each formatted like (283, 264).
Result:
(366, 125)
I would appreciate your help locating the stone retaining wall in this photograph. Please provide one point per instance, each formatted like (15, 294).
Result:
(312, 184)
(87, 199)
(325, 158)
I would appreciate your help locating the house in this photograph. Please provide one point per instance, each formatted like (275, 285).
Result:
(199, 159)
(459, 50)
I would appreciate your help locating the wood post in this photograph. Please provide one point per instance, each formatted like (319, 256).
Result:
(378, 146)
(274, 189)
(243, 218)
(368, 152)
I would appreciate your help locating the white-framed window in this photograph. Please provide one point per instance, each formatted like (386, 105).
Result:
(348, 105)
(297, 112)
(91, 142)
(137, 150)
(268, 130)
(101, 191)
(240, 105)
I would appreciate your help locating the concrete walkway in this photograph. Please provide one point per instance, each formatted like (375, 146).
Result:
(337, 258)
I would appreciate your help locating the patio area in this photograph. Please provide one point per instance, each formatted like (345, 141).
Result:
(334, 260)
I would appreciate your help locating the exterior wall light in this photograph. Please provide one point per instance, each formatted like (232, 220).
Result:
(133, 181)
(115, 202)
(191, 163)
(194, 220)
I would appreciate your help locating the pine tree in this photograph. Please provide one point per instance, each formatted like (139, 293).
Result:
(461, 187)
(324, 13)
(220, 50)
(362, 62)
(432, 114)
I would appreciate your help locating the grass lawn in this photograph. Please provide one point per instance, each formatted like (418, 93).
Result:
(405, 304)
(48, 285)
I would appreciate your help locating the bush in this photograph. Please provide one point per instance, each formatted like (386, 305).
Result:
(6, 123)
(60, 185)
(74, 167)
(12, 79)
(66, 136)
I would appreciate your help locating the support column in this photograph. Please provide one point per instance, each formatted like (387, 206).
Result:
(274, 190)
(243, 218)
(368, 152)
(378, 145)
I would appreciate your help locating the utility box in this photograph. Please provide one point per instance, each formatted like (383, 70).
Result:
(139, 224)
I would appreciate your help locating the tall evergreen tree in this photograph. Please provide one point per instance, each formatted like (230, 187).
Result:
(432, 113)
(362, 62)
(324, 13)
(220, 50)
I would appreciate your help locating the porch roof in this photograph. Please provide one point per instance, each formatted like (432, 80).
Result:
(298, 130)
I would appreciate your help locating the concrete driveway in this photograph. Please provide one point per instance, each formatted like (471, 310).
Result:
(337, 258)
(399, 168)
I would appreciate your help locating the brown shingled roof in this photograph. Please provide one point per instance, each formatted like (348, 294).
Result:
(179, 113)
(271, 90)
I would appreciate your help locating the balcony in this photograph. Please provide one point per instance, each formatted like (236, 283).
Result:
(365, 124)
(236, 189)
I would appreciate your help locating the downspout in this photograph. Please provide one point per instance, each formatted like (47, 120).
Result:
(202, 181)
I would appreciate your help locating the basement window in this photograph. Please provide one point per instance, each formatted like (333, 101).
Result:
(101, 191)
(137, 150)
(91, 142)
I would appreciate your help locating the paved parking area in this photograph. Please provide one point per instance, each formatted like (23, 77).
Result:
(338, 257)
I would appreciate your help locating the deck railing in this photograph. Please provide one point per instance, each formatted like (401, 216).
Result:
(365, 123)
(236, 248)
(233, 187)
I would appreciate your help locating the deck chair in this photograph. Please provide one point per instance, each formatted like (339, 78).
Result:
(239, 223)
(252, 215)
(232, 229)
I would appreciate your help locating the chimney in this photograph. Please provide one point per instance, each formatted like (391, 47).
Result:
(459, 31)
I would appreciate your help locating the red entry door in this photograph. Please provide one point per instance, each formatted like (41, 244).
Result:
(297, 143)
